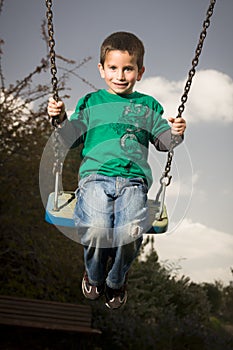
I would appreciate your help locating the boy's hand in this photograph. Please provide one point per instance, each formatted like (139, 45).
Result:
(56, 109)
(178, 125)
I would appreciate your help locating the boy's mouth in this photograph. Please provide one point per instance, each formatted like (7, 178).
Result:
(121, 85)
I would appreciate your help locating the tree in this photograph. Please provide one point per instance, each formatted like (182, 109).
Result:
(23, 103)
(34, 259)
(214, 294)
(227, 302)
(162, 312)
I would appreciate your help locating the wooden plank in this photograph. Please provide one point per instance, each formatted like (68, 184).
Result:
(47, 319)
(45, 314)
(48, 326)
(42, 306)
(58, 309)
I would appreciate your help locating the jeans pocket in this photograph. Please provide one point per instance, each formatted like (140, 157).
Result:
(141, 183)
(86, 179)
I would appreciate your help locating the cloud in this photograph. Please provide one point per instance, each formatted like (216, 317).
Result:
(210, 97)
(203, 253)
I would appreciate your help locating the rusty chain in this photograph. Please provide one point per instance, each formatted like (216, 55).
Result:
(175, 140)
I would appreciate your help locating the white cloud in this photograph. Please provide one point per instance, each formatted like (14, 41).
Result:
(210, 97)
(204, 254)
(180, 188)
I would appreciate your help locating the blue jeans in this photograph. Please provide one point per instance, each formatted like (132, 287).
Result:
(111, 215)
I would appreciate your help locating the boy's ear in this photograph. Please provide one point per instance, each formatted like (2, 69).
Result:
(140, 73)
(101, 70)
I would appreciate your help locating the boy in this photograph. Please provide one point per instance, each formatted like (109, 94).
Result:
(115, 127)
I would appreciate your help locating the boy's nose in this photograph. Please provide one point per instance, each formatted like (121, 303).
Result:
(120, 75)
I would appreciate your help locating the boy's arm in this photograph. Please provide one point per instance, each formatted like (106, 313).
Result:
(163, 141)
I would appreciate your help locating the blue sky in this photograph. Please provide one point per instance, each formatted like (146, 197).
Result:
(200, 197)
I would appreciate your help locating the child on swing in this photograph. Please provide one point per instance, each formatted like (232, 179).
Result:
(115, 127)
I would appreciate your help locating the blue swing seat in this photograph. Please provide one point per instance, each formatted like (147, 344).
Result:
(66, 204)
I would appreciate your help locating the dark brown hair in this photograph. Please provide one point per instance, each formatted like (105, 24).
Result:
(123, 41)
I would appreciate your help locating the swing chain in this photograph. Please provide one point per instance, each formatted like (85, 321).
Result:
(52, 55)
(58, 164)
(166, 178)
(175, 138)
(195, 61)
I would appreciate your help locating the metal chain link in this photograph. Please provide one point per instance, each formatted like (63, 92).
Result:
(52, 55)
(58, 164)
(175, 140)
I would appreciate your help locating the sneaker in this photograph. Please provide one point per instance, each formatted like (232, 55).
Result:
(89, 291)
(115, 298)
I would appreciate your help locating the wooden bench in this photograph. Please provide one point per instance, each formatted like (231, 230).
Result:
(47, 315)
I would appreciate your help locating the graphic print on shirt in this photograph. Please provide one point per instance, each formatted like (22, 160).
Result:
(134, 134)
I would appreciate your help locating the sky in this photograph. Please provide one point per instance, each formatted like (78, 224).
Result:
(199, 200)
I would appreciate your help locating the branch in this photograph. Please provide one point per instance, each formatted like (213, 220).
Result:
(23, 83)
(79, 77)
(1, 72)
(1, 5)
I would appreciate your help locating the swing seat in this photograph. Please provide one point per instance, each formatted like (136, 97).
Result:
(66, 205)
(159, 222)
(64, 215)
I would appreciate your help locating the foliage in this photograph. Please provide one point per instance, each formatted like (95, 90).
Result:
(29, 246)
(23, 103)
(162, 313)
(220, 299)
(227, 304)
(35, 260)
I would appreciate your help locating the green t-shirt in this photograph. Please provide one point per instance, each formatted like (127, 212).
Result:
(116, 131)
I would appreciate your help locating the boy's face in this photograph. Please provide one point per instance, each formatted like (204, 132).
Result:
(120, 71)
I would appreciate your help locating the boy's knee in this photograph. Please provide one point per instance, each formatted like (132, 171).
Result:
(95, 236)
(128, 233)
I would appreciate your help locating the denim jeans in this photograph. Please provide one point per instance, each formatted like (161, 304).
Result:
(111, 215)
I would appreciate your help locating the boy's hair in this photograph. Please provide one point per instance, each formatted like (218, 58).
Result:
(123, 41)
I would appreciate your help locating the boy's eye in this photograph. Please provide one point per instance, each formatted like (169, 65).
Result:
(128, 69)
